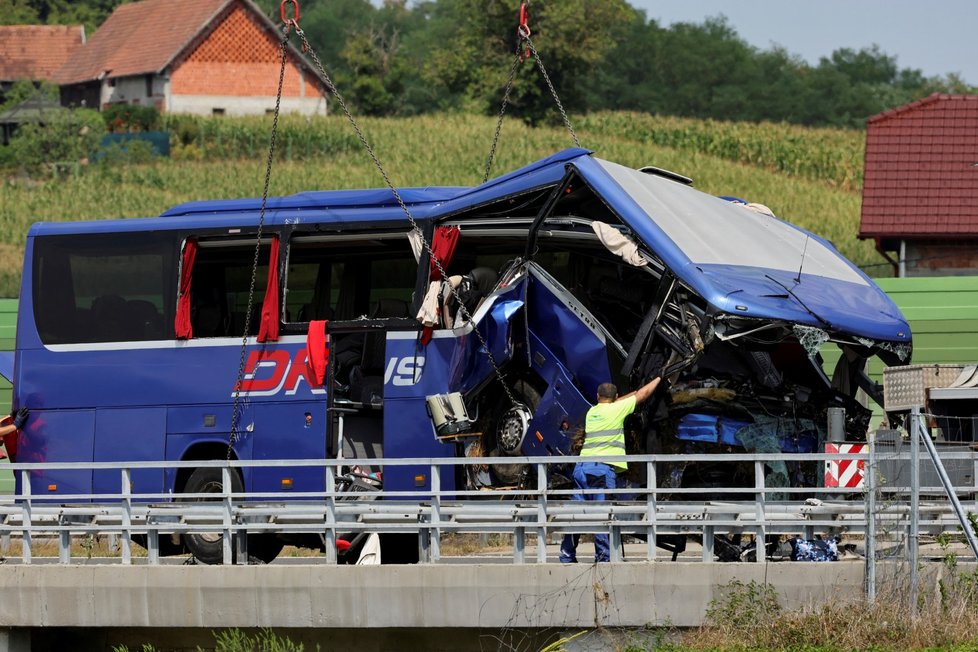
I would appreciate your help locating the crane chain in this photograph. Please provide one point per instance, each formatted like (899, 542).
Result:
(502, 112)
(236, 409)
(553, 91)
(307, 47)
(525, 41)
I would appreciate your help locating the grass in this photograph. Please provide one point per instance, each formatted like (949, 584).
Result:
(421, 151)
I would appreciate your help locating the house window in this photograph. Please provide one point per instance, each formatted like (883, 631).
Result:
(149, 85)
(217, 111)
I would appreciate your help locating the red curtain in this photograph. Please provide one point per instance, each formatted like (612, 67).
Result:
(181, 325)
(317, 351)
(269, 308)
(443, 247)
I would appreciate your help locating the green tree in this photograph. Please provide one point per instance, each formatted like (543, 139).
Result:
(66, 136)
(17, 12)
(473, 47)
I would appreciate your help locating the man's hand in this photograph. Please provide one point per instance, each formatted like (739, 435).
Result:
(20, 417)
(644, 392)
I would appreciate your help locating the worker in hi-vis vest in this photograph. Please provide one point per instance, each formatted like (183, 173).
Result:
(604, 436)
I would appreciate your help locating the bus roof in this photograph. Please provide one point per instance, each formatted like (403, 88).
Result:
(333, 206)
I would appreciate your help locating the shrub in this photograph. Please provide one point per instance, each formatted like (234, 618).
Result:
(130, 118)
(67, 136)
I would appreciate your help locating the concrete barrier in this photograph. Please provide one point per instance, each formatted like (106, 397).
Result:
(632, 594)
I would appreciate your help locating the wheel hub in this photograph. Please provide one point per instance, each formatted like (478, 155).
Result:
(512, 429)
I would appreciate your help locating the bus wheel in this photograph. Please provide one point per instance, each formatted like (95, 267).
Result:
(511, 427)
(208, 547)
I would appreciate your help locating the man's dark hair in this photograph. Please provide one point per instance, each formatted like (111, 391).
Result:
(607, 390)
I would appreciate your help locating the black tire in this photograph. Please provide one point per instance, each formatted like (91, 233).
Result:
(208, 547)
(510, 474)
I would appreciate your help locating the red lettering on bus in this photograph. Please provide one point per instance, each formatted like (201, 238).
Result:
(277, 360)
(298, 372)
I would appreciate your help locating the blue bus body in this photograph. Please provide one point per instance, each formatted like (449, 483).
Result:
(724, 297)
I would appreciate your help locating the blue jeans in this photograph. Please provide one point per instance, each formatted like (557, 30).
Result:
(590, 475)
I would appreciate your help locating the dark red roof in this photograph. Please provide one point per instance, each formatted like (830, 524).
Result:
(36, 51)
(139, 38)
(921, 173)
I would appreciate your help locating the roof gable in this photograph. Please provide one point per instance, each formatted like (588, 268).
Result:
(921, 169)
(140, 38)
(36, 52)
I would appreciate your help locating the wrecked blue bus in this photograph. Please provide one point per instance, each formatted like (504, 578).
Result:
(572, 271)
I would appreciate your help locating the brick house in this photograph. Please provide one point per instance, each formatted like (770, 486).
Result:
(190, 56)
(920, 194)
(35, 52)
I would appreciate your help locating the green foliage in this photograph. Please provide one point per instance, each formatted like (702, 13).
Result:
(133, 152)
(68, 136)
(406, 58)
(225, 158)
(832, 156)
(205, 138)
(23, 89)
(744, 608)
(17, 12)
(234, 640)
(90, 13)
(131, 118)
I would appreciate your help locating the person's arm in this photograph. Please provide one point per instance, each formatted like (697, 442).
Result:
(644, 392)
(7, 430)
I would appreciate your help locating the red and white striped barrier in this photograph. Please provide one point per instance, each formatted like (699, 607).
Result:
(847, 474)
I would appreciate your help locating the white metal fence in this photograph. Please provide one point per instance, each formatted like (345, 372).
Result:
(532, 515)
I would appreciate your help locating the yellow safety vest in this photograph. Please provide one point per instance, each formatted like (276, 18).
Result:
(604, 430)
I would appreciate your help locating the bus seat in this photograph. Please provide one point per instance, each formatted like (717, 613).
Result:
(208, 322)
(109, 318)
(367, 378)
(145, 319)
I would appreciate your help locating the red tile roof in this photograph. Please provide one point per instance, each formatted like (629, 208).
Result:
(36, 51)
(140, 38)
(921, 172)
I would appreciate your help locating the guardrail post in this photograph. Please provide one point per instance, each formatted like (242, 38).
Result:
(435, 529)
(126, 516)
(913, 540)
(25, 522)
(541, 513)
(708, 540)
(652, 488)
(226, 539)
(519, 544)
(870, 531)
(64, 542)
(329, 539)
(760, 536)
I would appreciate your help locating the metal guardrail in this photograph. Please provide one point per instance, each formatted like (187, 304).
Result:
(649, 512)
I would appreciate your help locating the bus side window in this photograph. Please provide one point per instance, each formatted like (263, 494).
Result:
(221, 279)
(104, 287)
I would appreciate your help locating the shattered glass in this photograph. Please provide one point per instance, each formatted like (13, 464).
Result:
(901, 351)
(810, 338)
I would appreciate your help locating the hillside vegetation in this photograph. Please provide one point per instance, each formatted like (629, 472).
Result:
(810, 177)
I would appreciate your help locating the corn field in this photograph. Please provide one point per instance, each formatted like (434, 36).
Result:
(222, 158)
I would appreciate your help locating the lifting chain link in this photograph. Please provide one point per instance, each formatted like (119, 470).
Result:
(524, 47)
(236, 409)
(414, 225)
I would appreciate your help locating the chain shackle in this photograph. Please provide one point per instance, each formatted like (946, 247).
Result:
(289, 22)
(523, 31)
